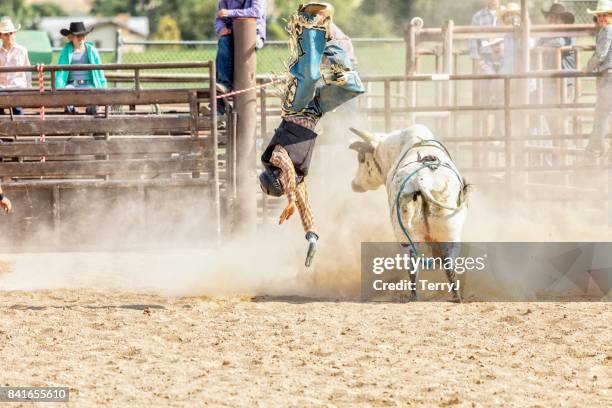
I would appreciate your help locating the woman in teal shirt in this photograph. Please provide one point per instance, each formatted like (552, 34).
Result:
(78, 51)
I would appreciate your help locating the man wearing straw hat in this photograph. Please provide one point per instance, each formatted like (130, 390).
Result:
(12, 55)
(601, 62)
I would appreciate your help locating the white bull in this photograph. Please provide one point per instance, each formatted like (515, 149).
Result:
(427, 195)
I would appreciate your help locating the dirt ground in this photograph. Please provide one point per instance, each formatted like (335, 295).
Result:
(127, 349)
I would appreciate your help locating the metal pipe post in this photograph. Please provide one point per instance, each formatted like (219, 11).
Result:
(412, 55)
(447, 62)
(245, 105)
(525, 33)
(118, 44)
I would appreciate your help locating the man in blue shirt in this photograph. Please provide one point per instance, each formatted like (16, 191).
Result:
(227, 11)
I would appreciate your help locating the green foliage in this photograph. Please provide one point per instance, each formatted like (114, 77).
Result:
(28, 15)
(348, 15)
(196, 17)
(167, 29)
(47, 10)
(358, 18)
(114, 7)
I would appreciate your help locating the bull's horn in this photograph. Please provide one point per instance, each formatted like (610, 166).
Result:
(366, 136)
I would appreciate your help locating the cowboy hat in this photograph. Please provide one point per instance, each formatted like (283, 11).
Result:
(510, 9)
(7, 26)
(558, 9)
(603, 6)
(76, 28)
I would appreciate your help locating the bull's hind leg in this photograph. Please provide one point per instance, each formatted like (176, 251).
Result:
(452, 279)
(413, 293)
(449, 250)
(413, 276)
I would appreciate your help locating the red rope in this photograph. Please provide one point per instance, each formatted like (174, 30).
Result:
(253, 88)
(41, 85)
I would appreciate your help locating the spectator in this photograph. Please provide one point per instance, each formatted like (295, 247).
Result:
(78, 51)
(481, 50)
(12, 55)
(486, 57)
(511, 16)
(601, 62)
(227, 11)
(557, 14)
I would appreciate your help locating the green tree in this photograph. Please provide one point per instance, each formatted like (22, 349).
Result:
(167, 29)
(195, 18)
(114, 7)
(47, 10)
(29, 15)
(349, 16)
(435, 13)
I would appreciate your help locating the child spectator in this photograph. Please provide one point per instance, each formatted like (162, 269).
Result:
(78, 52)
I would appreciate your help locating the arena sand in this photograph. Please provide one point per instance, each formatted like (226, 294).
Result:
(247, 325)
(125, 349)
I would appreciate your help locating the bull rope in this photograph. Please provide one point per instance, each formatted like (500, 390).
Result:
(253, 88)
(41, 86)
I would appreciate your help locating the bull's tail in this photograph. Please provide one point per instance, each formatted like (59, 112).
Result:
(426, 192)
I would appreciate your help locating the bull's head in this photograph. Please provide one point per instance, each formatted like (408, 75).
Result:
(369, 173)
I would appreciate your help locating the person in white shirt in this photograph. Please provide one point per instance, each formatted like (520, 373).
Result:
(12, 55)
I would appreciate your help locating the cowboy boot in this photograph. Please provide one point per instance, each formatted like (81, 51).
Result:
(308, 33)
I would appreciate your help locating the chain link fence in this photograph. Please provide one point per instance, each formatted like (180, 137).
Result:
(579, 8)
(375, 56)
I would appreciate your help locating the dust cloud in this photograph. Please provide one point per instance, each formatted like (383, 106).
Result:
(271, 261)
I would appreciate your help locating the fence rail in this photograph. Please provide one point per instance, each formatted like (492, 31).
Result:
(132, 150)
(397, 40)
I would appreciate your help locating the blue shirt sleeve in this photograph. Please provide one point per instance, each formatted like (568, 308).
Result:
(220, 23)
(257, 10)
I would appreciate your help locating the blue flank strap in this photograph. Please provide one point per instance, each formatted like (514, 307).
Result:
(432, 165)
(397, 205)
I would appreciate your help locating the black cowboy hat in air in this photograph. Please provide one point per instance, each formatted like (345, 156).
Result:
(558, 9)
(76, 28)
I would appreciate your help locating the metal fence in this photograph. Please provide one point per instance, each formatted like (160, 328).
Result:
(579, 8)
(375, 56)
